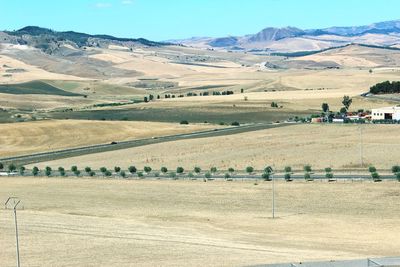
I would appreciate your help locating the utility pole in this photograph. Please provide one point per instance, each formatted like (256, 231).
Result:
(361, 147)
(13, 202)
(16, 232)
(273, 196)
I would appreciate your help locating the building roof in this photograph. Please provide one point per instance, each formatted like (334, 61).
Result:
(391, 109)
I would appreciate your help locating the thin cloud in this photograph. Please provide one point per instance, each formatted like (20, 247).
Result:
(103, 5)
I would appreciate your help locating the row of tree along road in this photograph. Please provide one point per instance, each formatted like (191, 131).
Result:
(249, 172)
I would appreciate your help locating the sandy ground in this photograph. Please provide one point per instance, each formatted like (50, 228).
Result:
(40, 136)
(336, 146)
(77, 222)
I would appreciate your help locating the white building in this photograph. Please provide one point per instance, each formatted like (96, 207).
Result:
(387, 113)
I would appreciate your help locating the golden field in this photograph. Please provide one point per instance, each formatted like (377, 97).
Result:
(336, 146)
(95, 222)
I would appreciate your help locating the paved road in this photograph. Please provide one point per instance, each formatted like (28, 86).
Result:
(66, 153)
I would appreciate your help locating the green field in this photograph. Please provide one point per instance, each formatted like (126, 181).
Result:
(35, 87)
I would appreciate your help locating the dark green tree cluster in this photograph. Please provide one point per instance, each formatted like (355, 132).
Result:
(385, 88)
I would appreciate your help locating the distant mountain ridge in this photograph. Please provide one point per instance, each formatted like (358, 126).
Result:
(48, 40)
(265, 38)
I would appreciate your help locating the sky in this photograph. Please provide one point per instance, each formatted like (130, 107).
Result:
(160, 20)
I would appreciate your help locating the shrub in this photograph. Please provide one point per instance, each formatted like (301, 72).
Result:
(156, 174)
(329, 175)
(327, 170)
(375, 175)
(213, 169)
(372, 169)
(123, 174)
(12, 167)
(140, 174)
(190, 175)
(231, 170)
(132, 169)
(288, 176)
(164, 170)
(184, 122)
(74, 168)
(88, 169)
(147, 169)
(179, 170)
(92, 173)
(117, 169)
(108, 173)
(172, 175)
(47, 171)
(35, 171)
(307, 168)
(266, 176)
(103, 170)
(288, 169)
(1, 166)
(235, 123)
(395, 169)
(227, 176)
(249, 169)
(77, 173)
(197, 170)
(207, 175)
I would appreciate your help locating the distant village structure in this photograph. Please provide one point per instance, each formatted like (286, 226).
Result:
(386, 113)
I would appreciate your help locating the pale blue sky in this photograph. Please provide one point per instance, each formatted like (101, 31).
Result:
(173, 19)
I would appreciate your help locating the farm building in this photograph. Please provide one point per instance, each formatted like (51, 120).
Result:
(386, 113)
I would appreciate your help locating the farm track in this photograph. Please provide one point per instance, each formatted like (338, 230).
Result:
(73, 152)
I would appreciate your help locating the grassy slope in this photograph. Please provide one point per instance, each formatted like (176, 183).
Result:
(34, 87)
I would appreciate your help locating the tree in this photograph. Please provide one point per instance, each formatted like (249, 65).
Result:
(307, 168)
(74, 168)
(249, 169)
(376, 177)
(179, 170)
(47, 171)
(117, 169)
(22, 170)
(398, 176)
(61, 170)
(190, 175)
(347, 102)
(123, 174)
(92, 173)
(395, 169)
(197, 170)
(88, 169)
(172, 175)
(307, 176)
(371, 169)
(266, 176)
(108, 173)
(140, 174)
(235, 123)
(103, 170)
(268, 170)
(343, 110)
(288, 169)
(213, 169)
(77, 173)
(288, 177)
(329, 175)
(231, 170)
(164, 170)
(328, 169)
(241, 90)
(35, 171)
(207, 175)
(1, 166)
(12, 167)
(147, 169)
(132, 169)
(227, 176)
(184, 122)
(325, 107)
(145, 99)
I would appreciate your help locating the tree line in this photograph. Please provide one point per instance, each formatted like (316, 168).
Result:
(385, 88)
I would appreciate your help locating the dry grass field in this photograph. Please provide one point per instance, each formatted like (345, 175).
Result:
(95, 222)
(336, 146)
(48, 135)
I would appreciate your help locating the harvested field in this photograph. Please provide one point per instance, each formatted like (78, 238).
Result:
(41, 136)
(192, 223)
(336, 146)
